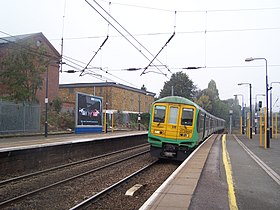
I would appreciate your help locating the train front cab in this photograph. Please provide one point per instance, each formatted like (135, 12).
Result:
(171, 131)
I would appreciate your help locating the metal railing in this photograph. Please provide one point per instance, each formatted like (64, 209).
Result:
(19, 117)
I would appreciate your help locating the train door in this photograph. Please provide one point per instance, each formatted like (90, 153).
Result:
(172, 121)
(186, 124)
(204, 126)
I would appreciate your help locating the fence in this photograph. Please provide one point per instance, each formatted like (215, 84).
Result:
(128, 120)
(19, 117)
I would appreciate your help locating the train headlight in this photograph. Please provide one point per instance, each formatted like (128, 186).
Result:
(157, 132)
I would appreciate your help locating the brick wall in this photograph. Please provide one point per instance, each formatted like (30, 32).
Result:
(118, 98)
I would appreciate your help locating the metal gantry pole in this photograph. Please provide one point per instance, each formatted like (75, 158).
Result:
(267, 118)
(267, 89)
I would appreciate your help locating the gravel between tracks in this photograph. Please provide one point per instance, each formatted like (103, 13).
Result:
(69, 194)
(151, 179)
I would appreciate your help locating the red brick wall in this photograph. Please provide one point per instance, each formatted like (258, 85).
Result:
(53, 85)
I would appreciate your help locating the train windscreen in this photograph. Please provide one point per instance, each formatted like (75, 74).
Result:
(159, 114)
(173, 114)
(187, 116)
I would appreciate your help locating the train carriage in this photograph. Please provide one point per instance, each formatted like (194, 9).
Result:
(177, 125)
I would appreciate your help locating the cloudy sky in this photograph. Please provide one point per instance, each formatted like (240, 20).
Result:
(217, 35)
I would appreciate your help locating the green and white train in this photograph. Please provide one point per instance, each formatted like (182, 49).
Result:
(178, 125)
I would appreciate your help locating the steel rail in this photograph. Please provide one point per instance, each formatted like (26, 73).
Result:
(69, 179)
(93, 198)
(67, 165)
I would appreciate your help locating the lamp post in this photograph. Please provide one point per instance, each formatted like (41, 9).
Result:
(46, 102)
(267, 89)
(243, 117)
(271, 116)
(250, 87)
(139, 115)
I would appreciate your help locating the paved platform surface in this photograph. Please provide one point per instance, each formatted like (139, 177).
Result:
(12, 143)
(203, 182)
(254, 174)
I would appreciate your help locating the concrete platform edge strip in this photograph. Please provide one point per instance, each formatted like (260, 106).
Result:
(158, 192)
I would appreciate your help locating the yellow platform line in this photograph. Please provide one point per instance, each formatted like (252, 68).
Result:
(228, 169)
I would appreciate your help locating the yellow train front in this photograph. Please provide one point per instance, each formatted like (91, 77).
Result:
(177, 126)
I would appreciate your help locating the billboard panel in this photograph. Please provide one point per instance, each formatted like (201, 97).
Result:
(88, 113)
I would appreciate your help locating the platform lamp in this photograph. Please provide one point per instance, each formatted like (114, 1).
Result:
(250, 87)
(243, 117)
(271, 116)
(267, 89)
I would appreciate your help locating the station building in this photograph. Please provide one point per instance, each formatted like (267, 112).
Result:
(37, 44)
(116, 97)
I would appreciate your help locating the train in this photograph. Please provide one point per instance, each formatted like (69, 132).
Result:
(177, 126)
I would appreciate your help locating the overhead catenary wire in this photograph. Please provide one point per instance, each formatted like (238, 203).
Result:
(130, 35)
(195, 11)
(95, 53)
(62, 33)
(178, 32)
(143, 72)
(78, 68)
(100, 47)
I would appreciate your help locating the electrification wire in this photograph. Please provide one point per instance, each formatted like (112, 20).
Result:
(100, 47)
(62, 33)
(79, 68)
(143, 72)
(178, 32)
(123, 29)
(194, 11)
(94, 55)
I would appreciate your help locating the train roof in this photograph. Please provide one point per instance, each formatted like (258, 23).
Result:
(176, 99)
(182, 100)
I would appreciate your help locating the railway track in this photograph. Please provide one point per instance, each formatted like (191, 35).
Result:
(86, 203)
(17, 189)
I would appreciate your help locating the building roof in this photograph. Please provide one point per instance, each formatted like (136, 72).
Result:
(4, 41)
(106, 84)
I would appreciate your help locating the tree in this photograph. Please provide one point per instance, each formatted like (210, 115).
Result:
(181, 84)
(204, 102)
(21, 72)
(209, 99)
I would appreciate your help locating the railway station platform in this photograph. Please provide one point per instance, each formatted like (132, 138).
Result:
(236, 173)
(35, 141)
(227, 173)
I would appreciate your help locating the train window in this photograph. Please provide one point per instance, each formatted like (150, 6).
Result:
(173, 114)
(187, 117)
(159, 114)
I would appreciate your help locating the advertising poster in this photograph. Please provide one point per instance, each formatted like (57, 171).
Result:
(88, 113)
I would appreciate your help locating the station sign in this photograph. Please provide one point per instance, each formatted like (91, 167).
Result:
(89, 117)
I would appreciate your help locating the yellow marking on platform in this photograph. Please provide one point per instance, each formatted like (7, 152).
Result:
(228, 169)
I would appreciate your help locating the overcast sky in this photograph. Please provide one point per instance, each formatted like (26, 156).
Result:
(215, 34)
